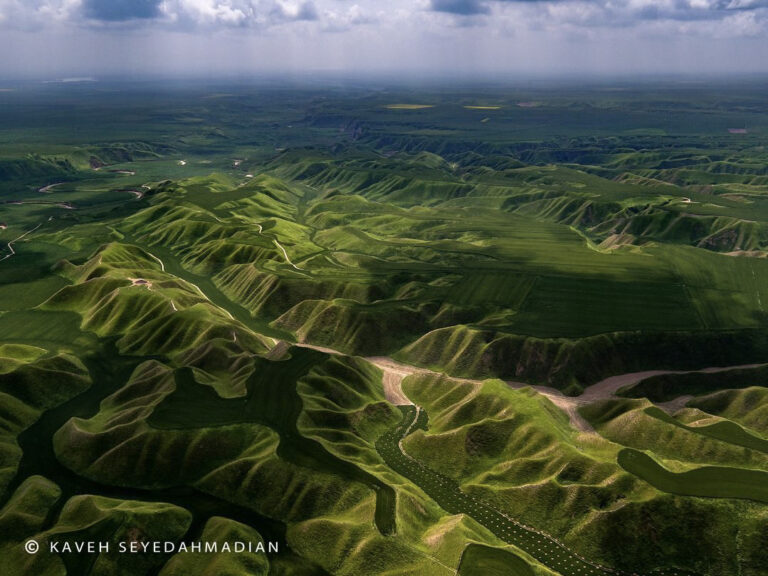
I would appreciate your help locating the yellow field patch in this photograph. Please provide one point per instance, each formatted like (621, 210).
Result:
(409, 106)
(482, 107)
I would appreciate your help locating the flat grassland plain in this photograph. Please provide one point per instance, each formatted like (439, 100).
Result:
(401, 331)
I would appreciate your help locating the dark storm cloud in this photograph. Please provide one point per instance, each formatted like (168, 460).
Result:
(460, 7)
(307, 11)
(472, 7)
(121, 10)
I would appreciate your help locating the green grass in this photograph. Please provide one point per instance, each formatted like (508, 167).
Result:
(747, 407)
(273, 401)
(448, 494)
(14, 355)
(596, 233)
(724, 430)
(484, 561)
(25, 295)
(639, 425)
(564, 306)
(418, 243)
(705, 482)
(221, 530)
(670, 386)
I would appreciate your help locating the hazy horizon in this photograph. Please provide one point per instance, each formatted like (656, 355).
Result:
(384, 80)
(52, 39)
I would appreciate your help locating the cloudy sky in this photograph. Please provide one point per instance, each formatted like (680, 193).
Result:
(54, 38)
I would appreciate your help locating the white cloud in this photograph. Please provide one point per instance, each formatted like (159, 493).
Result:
(208, 12)
(237, 13)
(336, 20)
(33, 13)
(217, 36)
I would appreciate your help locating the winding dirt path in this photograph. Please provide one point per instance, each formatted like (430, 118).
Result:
(46, 189)
(285, 253)
(392, 379)
(607, 388)
(394, 372)
(10, 244)
(65, 205)
(567, 404)
(287, 259)
(162, 264)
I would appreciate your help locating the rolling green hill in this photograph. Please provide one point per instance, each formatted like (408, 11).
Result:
(396, 332)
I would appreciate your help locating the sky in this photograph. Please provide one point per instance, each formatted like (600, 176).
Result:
(52, 39)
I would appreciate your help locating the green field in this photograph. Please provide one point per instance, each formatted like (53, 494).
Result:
(707, 482)
(481, 560)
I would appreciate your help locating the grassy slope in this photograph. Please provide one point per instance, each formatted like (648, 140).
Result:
(637, 424)
(220, 530)
(480, 561)
(510, 448)
(746, 406)
(669, 386)
(85, 517)
(31, 387)
(707, 481)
